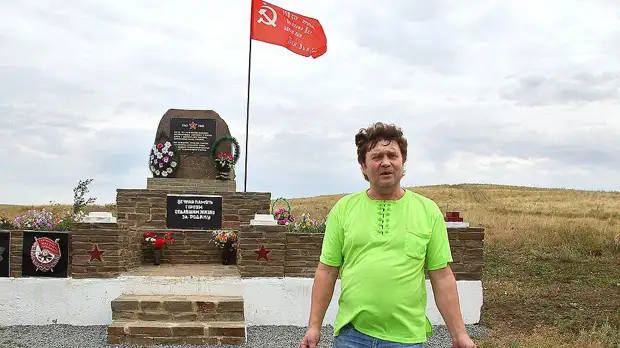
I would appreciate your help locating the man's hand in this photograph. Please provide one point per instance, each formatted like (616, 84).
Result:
(463, 341)
(311, 339)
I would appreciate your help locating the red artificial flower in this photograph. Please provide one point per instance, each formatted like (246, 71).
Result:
(159, 146)
(159, 243)
(148, 234)
(219, 155)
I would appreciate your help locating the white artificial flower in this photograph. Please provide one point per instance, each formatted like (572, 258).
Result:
(159, 155)
(170, 153)
(164, 173)
(173, 164)
(157, 172)
(169, 170)
(167, 144)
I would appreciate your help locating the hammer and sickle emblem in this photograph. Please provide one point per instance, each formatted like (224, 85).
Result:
(265, 19)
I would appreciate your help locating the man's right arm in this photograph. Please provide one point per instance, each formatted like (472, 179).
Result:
(322, 292)
(327, 272)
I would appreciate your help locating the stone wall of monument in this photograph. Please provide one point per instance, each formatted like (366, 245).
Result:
(16, 253)
(290, 254)
(302, 253)
(142, 210)
(180, 185)
(98, 250)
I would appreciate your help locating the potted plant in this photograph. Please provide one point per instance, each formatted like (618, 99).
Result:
(227, 242)
(159, 243)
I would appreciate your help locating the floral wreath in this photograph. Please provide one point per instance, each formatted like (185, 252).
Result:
(164, 159)
(224, 158)
(283, 216)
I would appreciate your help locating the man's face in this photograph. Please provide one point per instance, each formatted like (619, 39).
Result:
(384, 164)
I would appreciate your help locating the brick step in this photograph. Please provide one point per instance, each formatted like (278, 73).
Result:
(142, 332)
(178, 308)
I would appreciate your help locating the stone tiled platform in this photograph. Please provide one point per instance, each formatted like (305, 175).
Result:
(185, 270)
(188, 319)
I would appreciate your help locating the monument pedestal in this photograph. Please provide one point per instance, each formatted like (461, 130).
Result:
(183, 185)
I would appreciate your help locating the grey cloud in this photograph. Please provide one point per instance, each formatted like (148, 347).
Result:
(24, 84)
(577, 147)
(425, 33)
(300, 163)
(536, 90)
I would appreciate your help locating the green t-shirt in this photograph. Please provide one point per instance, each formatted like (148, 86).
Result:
(382, 247)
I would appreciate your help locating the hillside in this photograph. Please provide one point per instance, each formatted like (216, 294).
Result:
(552, 260)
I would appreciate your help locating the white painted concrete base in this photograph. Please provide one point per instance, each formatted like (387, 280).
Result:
(268, 301)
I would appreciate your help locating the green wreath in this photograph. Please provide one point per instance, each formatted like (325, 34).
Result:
(283, 216)
(219, 140)
(273, 205)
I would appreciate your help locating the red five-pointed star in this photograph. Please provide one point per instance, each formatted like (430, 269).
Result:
(193, 125)
(262, 253)
(96, 253)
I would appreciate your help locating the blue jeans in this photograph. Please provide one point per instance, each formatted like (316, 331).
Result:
(349, 337)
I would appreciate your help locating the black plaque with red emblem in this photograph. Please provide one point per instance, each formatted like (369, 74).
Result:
(5, 252)
(45, 254)
(193, 135)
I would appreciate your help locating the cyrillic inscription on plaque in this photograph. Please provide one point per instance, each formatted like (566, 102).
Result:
(193, 135)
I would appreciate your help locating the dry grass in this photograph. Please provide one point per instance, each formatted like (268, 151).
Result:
(11, 210)
(552, 260)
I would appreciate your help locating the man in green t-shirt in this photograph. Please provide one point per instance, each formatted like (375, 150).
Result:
(379, 241)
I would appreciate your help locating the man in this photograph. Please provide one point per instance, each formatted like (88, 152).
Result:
(379, 241)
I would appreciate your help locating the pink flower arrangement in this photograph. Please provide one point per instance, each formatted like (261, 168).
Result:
(284, 216)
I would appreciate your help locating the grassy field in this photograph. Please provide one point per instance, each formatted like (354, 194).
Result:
(552, 260)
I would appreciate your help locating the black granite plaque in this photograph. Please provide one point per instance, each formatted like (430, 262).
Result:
(5, 253)
(45, 254)
(202, 212)
(193, 135)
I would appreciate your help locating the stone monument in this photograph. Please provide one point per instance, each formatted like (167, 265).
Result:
(192, 159)
(193, 133)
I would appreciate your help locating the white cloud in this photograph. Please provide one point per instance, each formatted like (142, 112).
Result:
(517, 92)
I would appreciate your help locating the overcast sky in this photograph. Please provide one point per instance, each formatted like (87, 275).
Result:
(506, 92)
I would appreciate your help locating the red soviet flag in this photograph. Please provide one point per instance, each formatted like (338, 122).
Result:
(275, 25)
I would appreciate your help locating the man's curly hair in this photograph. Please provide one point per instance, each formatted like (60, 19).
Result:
(367, 138)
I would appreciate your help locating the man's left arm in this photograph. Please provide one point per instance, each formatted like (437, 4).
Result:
(443, 282)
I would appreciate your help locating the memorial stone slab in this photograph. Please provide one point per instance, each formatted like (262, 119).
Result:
(99, 217)
(193, 133)
(203, 212)
(5, 253)
(45, 254)
(263, 220)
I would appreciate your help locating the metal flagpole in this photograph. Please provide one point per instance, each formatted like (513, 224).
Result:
(247, 107)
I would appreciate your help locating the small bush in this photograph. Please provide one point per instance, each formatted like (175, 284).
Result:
(308, 225)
